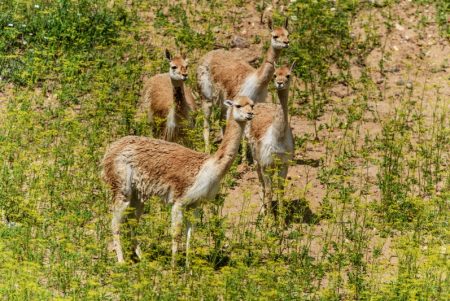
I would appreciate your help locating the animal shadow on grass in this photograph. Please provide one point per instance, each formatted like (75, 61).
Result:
(295, 211)
(309, 162)
(298, 211)
(217, 258)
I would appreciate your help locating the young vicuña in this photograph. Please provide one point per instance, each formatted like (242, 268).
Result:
(270, 137)
(137, 168)
(166, 97)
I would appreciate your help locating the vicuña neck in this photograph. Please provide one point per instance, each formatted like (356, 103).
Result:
(281, 121)
(178, 91)
(176, 83)
(266, 70)
(229, 146)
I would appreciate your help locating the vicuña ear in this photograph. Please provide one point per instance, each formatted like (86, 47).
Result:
(269, 23)
(292, 66)
(286, 22)
(186, 60)
(228, 102)
(168, 55)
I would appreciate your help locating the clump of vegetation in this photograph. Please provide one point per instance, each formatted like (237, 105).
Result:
(71, 75)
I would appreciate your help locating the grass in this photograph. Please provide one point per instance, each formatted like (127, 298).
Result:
(71, 77)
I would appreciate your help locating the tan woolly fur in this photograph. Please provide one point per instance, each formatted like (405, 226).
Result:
(222, 75)
(270, 138)
(137, 168)
(168, 101)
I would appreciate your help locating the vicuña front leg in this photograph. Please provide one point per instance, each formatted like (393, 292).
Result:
(189, 232)
(176, 229)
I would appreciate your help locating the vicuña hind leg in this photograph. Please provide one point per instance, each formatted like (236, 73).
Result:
(206, 106)
(268, 194)
(120, 206)
(224, 111)
(283, 171)
(137, 209)
(280, 182)
(171, 126)
(189, 231)
(263, 186)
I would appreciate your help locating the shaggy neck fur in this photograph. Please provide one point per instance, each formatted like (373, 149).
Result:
(266, 70)
(229, 146)
(281, 121)
(178, 91)
(177, 83)
(207, 181)
(181, 106)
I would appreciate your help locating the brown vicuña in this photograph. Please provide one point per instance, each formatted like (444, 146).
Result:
(137, 168)
(166, 98)
(270, 138)
(223, 75)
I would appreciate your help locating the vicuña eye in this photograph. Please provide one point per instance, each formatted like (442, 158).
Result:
(287, 76)
(275, 37)
(238, 106)
(174, 67)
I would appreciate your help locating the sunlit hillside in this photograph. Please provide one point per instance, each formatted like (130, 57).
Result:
(364, 210)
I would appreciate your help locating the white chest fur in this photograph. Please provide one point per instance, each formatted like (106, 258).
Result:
(206, 184)
(253, 90)
(274, 145)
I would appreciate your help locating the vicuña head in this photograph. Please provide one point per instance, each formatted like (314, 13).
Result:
(280, 36)
(242, 108)
(282, 77)
(178, 66)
